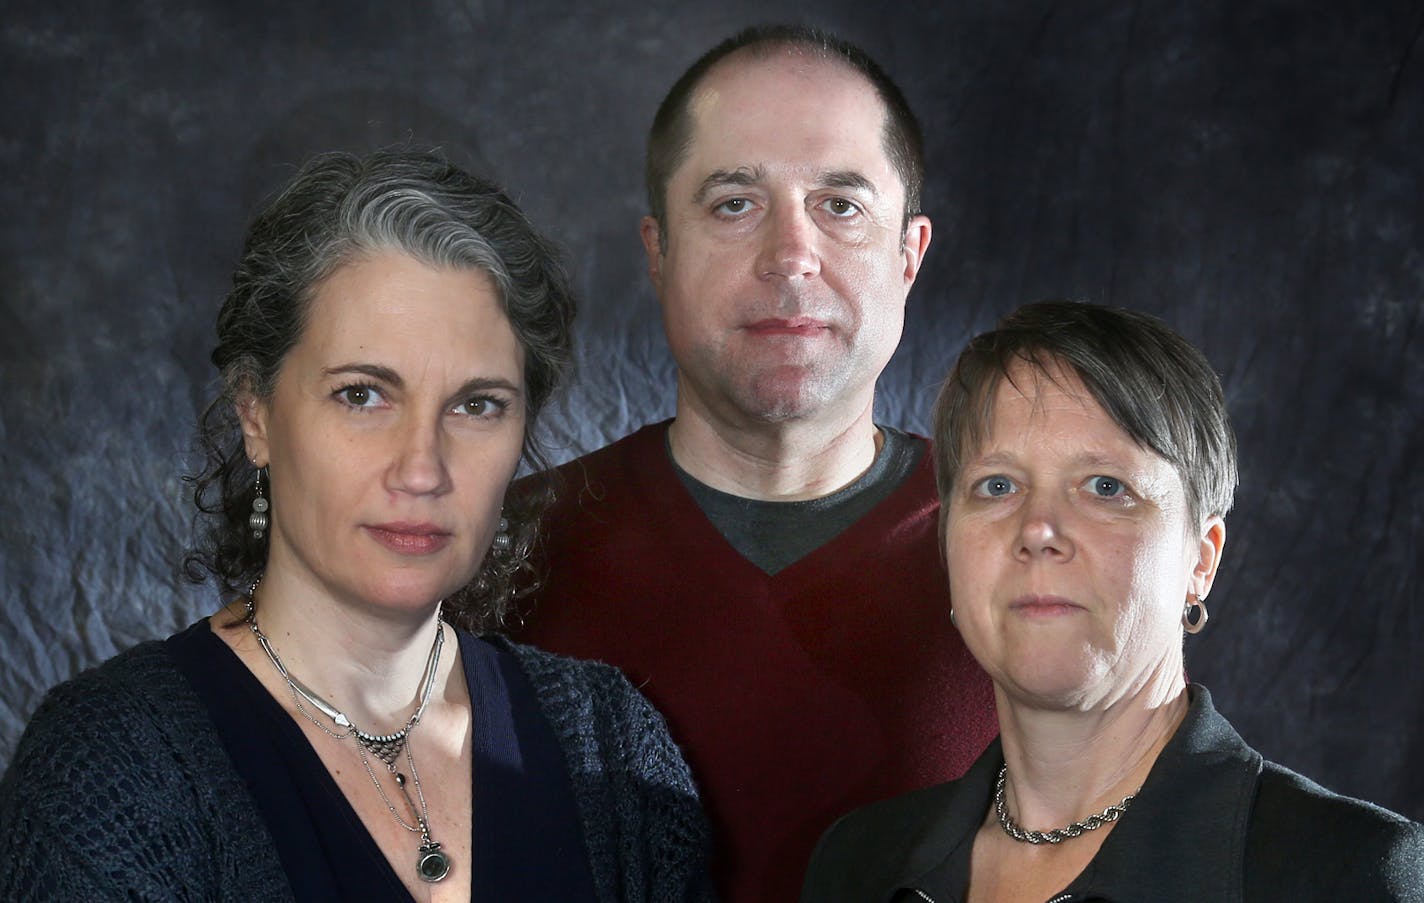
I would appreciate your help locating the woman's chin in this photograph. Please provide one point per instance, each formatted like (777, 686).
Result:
(1051, 682)
(410, 593)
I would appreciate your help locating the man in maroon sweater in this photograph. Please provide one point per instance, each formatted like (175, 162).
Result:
(766, 565)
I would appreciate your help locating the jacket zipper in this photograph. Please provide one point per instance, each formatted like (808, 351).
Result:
(923, 895)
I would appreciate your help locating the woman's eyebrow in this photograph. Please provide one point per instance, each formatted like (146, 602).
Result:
(376, 371)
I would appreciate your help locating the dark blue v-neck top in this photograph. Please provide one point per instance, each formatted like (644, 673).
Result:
(526, 838)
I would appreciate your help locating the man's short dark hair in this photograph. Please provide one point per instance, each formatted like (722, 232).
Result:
(671, 134)
(1153, 383)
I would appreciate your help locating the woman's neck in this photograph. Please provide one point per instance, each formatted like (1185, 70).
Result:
(368, 664)
(1066, 765)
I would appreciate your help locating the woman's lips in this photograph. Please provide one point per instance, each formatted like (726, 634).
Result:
(1033, 606)
(410, 539)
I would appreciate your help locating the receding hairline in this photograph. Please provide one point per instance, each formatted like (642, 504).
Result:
(773, 51)
(809, 55)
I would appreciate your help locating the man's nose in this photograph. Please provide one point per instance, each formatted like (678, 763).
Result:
(789, 244)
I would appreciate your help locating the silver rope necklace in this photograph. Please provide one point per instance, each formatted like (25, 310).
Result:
(431, 864)
(1057, 835)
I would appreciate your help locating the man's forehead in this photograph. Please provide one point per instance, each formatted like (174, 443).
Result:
(752, 70)
(792, 110)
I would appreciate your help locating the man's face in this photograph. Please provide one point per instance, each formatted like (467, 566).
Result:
(781, 268)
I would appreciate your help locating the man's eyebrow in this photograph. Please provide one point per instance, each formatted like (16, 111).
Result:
(742, 175)
(846, 178)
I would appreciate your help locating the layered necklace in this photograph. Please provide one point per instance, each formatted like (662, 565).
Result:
(431, 863)
(1057, 835)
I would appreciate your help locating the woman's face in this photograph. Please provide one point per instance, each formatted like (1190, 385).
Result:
(1070, 554)
(396, 425)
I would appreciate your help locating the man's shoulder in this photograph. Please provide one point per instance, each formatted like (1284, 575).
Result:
(635, 463)
(640, 443)
(1346, 845)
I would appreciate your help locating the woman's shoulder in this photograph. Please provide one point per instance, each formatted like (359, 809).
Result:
(570, 682)
(125, 749)
(893, 822)
(107, 702)
(1307, 842)
(635, 793)
(871, 851)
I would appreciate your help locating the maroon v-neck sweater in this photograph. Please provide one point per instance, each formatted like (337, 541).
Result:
(796, 696)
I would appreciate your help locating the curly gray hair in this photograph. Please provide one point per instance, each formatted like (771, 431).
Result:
(336, 209)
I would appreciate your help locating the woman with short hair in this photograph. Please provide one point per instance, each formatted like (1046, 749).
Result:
(1085, 465)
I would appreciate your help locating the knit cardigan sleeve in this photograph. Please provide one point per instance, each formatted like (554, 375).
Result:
(120, 790)
(647, 838)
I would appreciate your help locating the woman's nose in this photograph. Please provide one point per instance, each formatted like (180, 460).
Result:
(1042, 530)
(419, 467)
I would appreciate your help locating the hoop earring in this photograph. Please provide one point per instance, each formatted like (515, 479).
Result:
(257, 521)
(1197, 602)
(952, 620)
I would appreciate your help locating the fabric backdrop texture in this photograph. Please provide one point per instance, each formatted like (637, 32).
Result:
(1249, 171)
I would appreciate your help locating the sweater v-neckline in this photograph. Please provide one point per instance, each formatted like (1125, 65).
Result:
(659, 484)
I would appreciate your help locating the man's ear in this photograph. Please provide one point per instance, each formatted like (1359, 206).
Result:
(917, 242)
(252, 414)
(1212, 541)
(651, 233)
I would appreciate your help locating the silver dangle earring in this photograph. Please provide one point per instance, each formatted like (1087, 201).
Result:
(503, 542)
(257, 521)
(1194, 602)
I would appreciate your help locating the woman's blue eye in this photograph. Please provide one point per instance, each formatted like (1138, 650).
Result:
(994, 486)
(1107, 487)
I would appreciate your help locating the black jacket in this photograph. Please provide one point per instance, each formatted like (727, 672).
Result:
(1213, 822)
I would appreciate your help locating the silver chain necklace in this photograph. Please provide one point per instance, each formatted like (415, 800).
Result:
(431, 864)
(1057, 835)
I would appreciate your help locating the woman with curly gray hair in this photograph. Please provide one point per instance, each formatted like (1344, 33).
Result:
(348, 727)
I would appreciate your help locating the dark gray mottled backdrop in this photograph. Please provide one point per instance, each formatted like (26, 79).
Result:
(1251, 171)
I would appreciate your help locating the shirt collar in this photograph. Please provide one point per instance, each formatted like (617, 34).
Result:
(1186, 828)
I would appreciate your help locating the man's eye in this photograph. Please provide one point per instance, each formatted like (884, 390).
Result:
(994, 487)
(734, 206)
(1106, 487)
(841, 208)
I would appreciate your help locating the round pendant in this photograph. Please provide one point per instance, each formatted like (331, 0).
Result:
(431, 864)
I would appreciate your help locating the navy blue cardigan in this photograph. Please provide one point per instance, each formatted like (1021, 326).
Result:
(121, 789)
